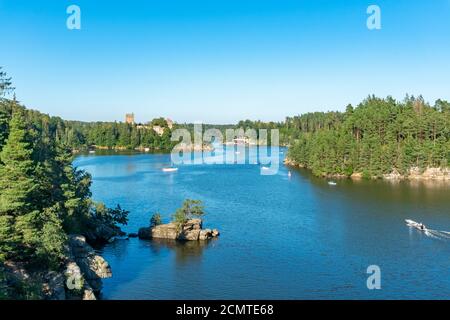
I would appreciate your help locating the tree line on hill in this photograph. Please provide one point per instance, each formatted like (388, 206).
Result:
(377, 137)
(43, 198)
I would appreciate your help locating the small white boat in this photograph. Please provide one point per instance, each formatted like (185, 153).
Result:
(289, 174)
(91, 151)
(332, 183)
(170, 169)
(265, 168)
(417, 225)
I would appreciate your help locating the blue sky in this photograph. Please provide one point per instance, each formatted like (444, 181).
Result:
(220, 61)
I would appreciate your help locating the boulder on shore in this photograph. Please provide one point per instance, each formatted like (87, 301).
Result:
(190, 231)
(85, 268)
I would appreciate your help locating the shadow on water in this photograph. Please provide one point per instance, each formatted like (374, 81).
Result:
(366, 191)
(185, 251)
(153, 259)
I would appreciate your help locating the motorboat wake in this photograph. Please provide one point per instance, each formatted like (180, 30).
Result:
(443, 235)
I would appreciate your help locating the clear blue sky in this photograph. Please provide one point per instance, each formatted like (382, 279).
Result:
(221, 60)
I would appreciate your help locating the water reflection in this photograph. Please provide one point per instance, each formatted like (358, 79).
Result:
(185, 251)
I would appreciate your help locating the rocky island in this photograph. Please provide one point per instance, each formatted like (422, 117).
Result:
(185, 225)
(191, 230)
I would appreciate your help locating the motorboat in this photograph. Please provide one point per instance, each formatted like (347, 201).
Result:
(417, 225)
(332, 183)
(170, 169)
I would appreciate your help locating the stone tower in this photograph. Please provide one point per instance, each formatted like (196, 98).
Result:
(129, 118)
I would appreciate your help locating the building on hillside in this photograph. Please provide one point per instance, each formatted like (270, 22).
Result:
(169, 123)
(159, 130)
(129, 118)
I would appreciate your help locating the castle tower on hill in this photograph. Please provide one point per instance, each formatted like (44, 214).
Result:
(129, 118)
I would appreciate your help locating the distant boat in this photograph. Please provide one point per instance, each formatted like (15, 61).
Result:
(170, 169)
(289, 174)
(265, 168)
(417, 225)
(91, 151)
(332, 183)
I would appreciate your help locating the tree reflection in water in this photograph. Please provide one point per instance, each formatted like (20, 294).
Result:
(185, 251)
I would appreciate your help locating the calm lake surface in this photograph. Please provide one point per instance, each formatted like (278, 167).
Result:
(281, 237)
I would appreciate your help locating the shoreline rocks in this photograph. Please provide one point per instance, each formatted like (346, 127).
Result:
(104, 233)
(78, 278)
(84, 270)
(190, 231)
(414, 174)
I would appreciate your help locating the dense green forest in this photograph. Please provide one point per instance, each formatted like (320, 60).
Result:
(43, 198)
(82, 135)
(112, 135)
(377, 137)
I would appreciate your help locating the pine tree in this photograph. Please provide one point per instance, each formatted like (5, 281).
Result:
(3, 128)
(7, 237)
(17, 183)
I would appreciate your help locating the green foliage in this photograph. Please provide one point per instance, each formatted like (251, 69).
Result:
(159, 122)
(5, 83)
(52, 239)
(17, 185)
(3, 127)
(155, 220)
(375, 138)
(190, 209)
(111, 135)
(42, 196)
(8, 238)
(110, 216)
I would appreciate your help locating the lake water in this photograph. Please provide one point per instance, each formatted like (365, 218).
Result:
(281, 237)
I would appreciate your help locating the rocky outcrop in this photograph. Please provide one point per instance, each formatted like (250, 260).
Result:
(103, 233)
(84, 270)
(208, 234)
(436, 174)
(190, 231)
(80, 278)
(54, 286)
(39, 284)
(430, 174)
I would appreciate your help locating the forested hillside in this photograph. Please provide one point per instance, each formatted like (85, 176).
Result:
(377, 137)
(111, 135)
(43, 198)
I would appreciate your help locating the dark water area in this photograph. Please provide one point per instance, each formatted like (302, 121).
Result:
(282, 236)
